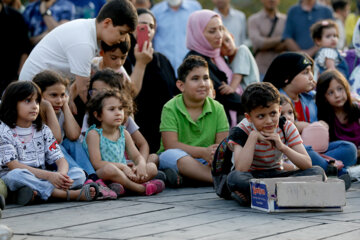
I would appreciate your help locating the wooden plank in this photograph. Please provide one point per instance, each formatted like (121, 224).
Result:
(132, 221)
(58, 219)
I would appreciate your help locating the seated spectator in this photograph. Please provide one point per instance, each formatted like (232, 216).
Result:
(158, 80)
(43, 16)
(192, 126)
(204, 37)
(255, 147)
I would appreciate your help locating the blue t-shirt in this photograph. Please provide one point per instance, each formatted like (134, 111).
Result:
(299, 21)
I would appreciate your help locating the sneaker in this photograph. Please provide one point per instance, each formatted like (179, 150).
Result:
(173, 178)
(105, 191)
(150, 188)
(354, 172)
(160, 185)
(117, 188)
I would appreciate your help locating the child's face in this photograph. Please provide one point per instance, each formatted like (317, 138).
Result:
(55, 94)
(112, 112)
(196, 86)
(304, 81)
(99, 86)
(336, 94)
(288, 112)
(113, 59)
(228, 47)
(113, 35)
(329, 38)
(27, 111)
(265, 119)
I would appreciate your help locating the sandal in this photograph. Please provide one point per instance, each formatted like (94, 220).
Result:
(86, 190)
(105, 191)
(173, 178)
(240, 198)
(117, 188)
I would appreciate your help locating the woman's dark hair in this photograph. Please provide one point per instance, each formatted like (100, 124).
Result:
(325, 110)
(14, 93)
(145, 11)
(96, 104)
(48, 78)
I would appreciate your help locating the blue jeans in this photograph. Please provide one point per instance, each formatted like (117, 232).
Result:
(340, 150)
(18, 178)
(76, 156)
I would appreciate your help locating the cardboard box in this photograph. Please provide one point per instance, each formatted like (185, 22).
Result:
(297, 194)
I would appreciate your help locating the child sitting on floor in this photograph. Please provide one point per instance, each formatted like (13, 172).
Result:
(256, 145)
(107, 140)
(192, 125)
(29, 146)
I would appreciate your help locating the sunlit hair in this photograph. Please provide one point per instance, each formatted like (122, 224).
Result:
(49, 78)
(96, 105)
(14, 93)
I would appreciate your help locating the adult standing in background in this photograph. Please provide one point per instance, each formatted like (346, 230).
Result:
(15, 46)
(43, 16)
(300, 17)
(234, 20)
(87, 8)
(341, 11)
(171, 17)
(265, 30)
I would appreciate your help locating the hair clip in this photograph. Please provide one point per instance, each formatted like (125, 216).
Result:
(325, 23)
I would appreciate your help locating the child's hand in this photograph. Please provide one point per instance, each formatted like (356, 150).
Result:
(129, 173)
(209, 152)
(146, 55)
(140, 171)
(274, 139)
(60, 180)
(45, 105)
(225, 89)
(65, 102)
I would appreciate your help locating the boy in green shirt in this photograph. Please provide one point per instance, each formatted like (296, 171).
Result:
(192, 126)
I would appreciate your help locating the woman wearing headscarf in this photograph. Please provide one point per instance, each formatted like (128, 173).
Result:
(204, 36)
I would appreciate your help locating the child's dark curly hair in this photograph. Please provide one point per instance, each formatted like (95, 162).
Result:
(96, 104)
(14, 93)
(261, 94)
(189, 64)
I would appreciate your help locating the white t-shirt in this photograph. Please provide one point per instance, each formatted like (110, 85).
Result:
(68, 50)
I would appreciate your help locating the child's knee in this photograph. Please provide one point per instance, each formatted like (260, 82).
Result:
(78, 175)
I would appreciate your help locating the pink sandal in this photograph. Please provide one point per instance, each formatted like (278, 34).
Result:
(117, 188)
(104, 192)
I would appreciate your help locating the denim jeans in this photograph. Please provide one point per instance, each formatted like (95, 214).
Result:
(18, 178)
(340, 150)
(76, 156)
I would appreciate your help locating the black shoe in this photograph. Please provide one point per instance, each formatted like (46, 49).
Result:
(161, 176)
(347, 180)
(2, 202)
(242, 200)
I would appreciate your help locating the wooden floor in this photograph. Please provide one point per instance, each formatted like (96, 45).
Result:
(188, 213)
